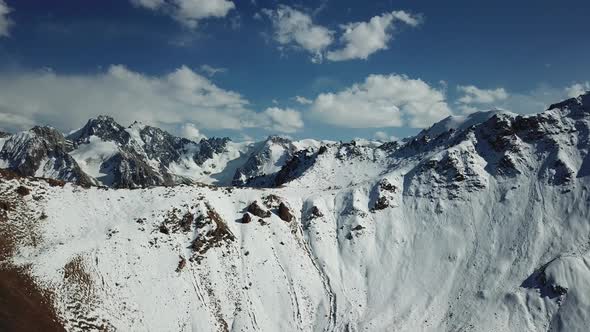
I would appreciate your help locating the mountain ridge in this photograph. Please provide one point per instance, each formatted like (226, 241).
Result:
(105, 153)
(482, 227)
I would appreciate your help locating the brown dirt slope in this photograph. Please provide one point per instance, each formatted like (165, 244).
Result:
(23, 306)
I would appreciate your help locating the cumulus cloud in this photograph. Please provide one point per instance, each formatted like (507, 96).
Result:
(5, 22)
(382, 136)
(361, 39)
(11, 121)
(188, 12)
(191, 132)
(303, 100)
(525, 102)
(474, 99)
(181, 96)
(212, 71)
(283, 120)
(475, 95)
(577, 89)
(382, 101)
(293, 28)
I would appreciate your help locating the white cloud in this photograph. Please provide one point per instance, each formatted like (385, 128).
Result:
(577, 89)
(384, 137)
(188, 12)
(181, 96)
(293, 28)
(526, 102)
(283, 120)
(303, 100)
(361, 39)
(191, 132)
(212, 71)
(5, 22)
(474, 99)
(11, 121)
(475, 95)
(382, 101)
(466, 109)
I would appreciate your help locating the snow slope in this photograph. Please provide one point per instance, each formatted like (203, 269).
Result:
(416, 265)
(481, 228)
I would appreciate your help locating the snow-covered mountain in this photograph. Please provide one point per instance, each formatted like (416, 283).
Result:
(479, 223)
(41, 152)
(104, 153)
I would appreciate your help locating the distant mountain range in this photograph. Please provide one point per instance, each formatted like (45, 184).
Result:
(104, 153)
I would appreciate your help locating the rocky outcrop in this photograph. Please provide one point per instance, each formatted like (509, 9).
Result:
(255, 209)
(296, 166)
(384, 194)
(452, 175)
(266, 159)
(211, 231)
(132, 172)
(314, 213)
(285, 213)
(246, 218)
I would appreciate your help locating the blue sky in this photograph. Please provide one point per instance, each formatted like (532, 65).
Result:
(361, 68)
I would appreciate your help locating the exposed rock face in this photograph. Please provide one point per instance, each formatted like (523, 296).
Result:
(181, 264)
(132, 172)
(381, 203)
(265, 160)
(145, 153)
(209, 147)
(295, 167)
(23, 191)
(187, 221)
(272, 201)
(255, 209)
(103, 127)
(314, 213)
(285, 213)
(384, 194)
(43, 152)
(246, 218)
(211, 231)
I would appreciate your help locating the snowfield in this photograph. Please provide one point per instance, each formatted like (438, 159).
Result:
(480, 224)
(420, 265)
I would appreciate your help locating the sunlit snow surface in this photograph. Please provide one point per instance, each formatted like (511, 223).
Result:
(475, 229)
(423, 264)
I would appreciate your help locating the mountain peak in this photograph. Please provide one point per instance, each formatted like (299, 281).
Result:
(581, 102)
(277, 139)
(105, 118)
(102, 126)
(461, 122)
(138, 125)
